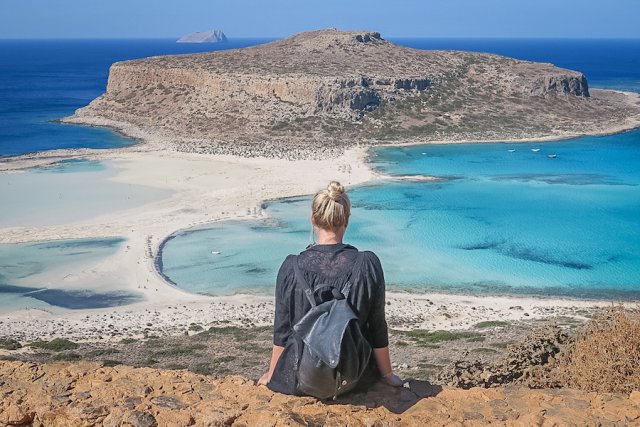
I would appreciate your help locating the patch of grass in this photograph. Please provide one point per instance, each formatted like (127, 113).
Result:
(491, 324)
(67, 356)
(110, 363)
(224, 359)
(103, 352)
(425, 338)
(202, 369)
(57, 344)
(484, 350)
(240, 334)
(9, 344)
(195, 327)
(402, 343)
(176, 366)
(179, 350)
(128, 340)
(8, 358)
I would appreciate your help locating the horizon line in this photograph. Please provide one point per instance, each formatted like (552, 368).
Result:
(283, 37)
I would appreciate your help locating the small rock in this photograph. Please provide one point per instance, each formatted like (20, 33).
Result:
(168, 402)
(132, 402)
(142, 419)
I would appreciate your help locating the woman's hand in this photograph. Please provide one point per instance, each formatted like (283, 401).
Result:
(264, 379)
(393, 380)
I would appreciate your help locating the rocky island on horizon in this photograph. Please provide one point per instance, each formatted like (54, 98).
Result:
(210, 36)
(326, 90)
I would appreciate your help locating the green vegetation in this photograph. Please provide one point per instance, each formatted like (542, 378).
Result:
(67, 356)
(128, 340)
(103, 352)
(491, 324)
(109, 363)
(426, 339)
(202, 369)
(179, 350)
(57, 344)
(195, 327)
(240, 334)
(9, 344)
(8, 358)
(176, 366)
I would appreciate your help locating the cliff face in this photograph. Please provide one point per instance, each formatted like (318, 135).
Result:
(333, 88)
(83, 393)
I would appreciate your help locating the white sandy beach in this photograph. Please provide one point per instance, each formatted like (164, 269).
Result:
(207, 188)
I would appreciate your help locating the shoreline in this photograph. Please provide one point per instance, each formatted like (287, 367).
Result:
(428, 311)
(237, 187)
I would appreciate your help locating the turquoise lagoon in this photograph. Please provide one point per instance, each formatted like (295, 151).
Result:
(31, 275)
(66, 192)
(504, 220)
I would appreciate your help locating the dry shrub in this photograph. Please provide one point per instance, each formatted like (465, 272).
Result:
(605, 356)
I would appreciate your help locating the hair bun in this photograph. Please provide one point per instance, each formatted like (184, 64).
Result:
(335, 190)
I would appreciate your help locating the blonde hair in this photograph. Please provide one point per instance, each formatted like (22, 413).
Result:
(331, 208)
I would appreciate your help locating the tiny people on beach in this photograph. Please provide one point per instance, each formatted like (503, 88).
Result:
(326, 272)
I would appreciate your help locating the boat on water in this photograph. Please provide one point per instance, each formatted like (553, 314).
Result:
(511, 150)
(535, 150)
(552, 156)
(215, 252)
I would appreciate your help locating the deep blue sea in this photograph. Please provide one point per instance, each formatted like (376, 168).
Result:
(45, 80)
(508, 222)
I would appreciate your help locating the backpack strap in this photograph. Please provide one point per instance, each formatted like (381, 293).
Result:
(308, 291)
(355, 274)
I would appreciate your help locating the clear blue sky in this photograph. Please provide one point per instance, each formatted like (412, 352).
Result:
(278, 18)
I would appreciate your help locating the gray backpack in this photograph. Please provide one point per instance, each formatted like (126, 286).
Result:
(335, 353)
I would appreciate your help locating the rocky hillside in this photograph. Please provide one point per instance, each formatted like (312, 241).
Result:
(84, 393)
(327, 89)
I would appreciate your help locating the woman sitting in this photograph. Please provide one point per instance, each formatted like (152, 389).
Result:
(326, 265)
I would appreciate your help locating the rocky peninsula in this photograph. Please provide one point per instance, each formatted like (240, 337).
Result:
(323, 91)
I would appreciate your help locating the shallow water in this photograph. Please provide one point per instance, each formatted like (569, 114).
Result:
(502, 222)
(32, 275)
(69, 191)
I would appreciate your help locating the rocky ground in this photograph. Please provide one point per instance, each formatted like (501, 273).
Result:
(86, 393)
(496, 372)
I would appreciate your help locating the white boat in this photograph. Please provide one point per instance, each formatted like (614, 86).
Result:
(552, 156)
(535, 150)
(511, 150)
(215, 252)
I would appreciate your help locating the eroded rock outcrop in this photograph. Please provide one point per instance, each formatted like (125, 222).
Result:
(526, 362)
(84, 393)
(329, 89)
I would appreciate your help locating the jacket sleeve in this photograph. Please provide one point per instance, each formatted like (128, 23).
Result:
(282, 319)
(377, 320)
